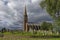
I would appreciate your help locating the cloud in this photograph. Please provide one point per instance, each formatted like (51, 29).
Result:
(36, 14)
(12, 11)
(7, 15)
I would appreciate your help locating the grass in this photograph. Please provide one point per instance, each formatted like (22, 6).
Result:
(14, 38)
(25, 36)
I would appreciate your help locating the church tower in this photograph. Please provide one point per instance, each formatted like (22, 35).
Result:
(25, 19)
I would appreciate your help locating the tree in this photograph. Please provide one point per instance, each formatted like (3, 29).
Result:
(46, 26)
(53, 8)
(3, 30)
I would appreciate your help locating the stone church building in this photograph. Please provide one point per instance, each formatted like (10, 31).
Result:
(28, 26)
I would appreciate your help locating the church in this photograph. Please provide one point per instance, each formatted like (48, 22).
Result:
(28, 26)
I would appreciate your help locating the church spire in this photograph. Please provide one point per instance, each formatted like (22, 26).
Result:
(25, 11)
(25, 19)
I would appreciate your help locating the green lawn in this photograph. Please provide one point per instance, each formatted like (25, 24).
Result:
(24, 36)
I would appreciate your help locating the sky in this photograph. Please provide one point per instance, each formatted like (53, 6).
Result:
(11, 12)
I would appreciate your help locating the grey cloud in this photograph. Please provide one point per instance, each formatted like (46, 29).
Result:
(12, 7)
(36, 14)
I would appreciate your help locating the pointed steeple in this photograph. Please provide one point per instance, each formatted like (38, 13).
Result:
(25, 19)
(25, 14)
(25, 11)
